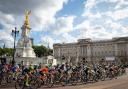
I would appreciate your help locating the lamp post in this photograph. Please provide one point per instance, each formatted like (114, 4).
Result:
(14, 33)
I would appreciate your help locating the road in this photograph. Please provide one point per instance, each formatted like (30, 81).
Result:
(119, 83)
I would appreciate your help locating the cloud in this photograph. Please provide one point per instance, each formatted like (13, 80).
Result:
(91, 15)
(66, 37)
(113, 25)
(63, 25)
(6, 25)
(47, 41)
(7, 18)
(6, 38)
(120, 3)
(90, 4)
(99, 23)
(83, 26)
(116, 9)
(18, 7)
(43, 13)
(89, 30)
(118, 14)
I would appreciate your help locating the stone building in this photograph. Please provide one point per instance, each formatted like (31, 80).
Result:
(115, 49)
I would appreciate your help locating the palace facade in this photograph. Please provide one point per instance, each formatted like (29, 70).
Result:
(115, 49)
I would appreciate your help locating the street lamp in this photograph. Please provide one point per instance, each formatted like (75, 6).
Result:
(14, 33)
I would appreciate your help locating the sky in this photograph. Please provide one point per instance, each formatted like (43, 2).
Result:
(64, 21)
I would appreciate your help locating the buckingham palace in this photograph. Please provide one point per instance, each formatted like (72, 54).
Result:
(115, 49)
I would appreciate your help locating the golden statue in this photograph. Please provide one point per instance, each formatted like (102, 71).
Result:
(26, 26)
(26, 22)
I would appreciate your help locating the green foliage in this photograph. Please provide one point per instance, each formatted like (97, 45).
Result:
(42, 51)
(6, 51)
(39, 51)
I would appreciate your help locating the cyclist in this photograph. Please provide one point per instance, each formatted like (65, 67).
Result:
(43, 72)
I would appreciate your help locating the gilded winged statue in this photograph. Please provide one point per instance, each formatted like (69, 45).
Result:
(27, 14)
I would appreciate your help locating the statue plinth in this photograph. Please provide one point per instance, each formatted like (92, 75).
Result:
(24, 47)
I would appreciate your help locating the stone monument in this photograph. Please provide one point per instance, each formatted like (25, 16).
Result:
(24, 45)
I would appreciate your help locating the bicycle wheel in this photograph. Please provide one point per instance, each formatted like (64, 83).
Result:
(9, 79)
(63, 81)
(73, 81)
(102, 78)
(36, 83)
(19, 84)
(39, 83)
(84, 79)
(0, 80)
(33, 84)
(49, 82)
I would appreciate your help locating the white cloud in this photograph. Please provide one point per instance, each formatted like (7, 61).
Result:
(47, 41)
(94, 32)
(103, 25)
(68, 38)
(82, 26)
(7, 22)
(64, 38)
(43, 17)
(113, 25)
(7, 18)
(121, 3)
(43, 13)
(6, 39)
(118, 14)
(88, 14)
(90, 3)
(106, 30)
(63, 25)
(18, 7)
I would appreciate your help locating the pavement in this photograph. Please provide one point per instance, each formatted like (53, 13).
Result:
(119, 83)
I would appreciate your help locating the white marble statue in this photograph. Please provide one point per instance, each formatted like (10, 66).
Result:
(24, 45)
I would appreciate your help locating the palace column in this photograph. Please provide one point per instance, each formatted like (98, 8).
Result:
(88, 52)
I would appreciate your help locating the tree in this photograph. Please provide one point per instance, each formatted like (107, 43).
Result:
(42, 51)
(1, 51)
(6, 51)
(50, 51)
(39, 51)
